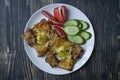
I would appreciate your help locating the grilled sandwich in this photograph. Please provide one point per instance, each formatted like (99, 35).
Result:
(65, 53)
(38, 37)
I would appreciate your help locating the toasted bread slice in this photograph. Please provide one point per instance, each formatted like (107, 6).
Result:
(29, 37)
(66, 64)
(66, 52)
(38, 37)
(51, 59)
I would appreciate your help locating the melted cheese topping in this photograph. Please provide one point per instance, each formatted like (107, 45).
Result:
(63, 52)
(42, 38)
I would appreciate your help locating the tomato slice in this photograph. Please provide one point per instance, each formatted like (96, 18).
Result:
(47, 14)
(54, 22)
(59, 31)
(63, 11)
(58, 14)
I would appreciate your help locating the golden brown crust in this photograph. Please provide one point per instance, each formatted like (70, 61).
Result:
(42, 26)
(66, 64)
(29, 37)
(41, 49)
(76, 51)
(51, 59)
(53, 38)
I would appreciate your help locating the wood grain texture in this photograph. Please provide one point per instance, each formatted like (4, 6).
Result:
(104, 64)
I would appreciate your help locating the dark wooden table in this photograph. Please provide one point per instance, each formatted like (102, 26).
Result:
(104, 64)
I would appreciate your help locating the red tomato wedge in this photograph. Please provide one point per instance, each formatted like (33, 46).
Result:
(47, 14)
(63, 11)
(59, 31)
(54, 22)
(58, 14)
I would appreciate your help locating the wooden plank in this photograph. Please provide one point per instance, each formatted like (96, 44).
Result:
(104, 64)
(4, 66)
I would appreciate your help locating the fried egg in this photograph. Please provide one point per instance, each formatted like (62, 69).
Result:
(63, 52)
(42, 38)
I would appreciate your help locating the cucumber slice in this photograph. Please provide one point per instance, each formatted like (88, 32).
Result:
(85, 25)
(80, 26)
(71, 23)
(70, 38)
(86, 35)
(71, 30)
(79, 23)
(76, 39)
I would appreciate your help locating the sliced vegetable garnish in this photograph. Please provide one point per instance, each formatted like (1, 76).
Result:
(60, 31)
(47, 14)
(85, 25)
(75, 30)
(71, 30)
(63, 11)
(70, 38)
(86, 35)
(58, 14)
(79, 23)
(54, 22)
(80, 26)
(76, 39)
(71, 23)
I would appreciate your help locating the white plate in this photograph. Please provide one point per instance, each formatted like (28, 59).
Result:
(73, 13)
